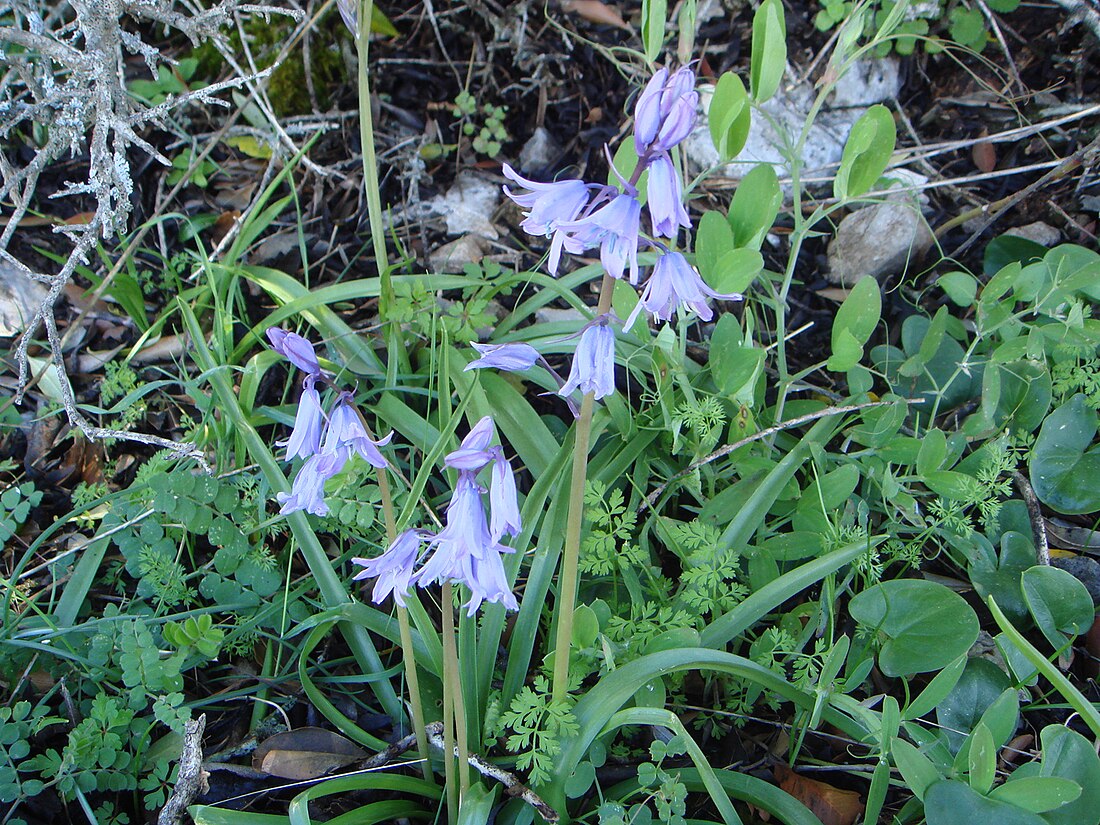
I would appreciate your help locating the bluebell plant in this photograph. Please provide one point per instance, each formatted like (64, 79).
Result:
(579, 216)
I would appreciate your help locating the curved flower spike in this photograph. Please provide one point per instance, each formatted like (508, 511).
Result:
(666, 205)
(295, 349)
(346, 430)
(674, 285)
(593, 368)
(474, 451)
(394, 568)
(507, 357)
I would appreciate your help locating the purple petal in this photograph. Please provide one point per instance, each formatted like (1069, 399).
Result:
(507, 357)
(593, 368)
(504, 515)
(666, 207)
(295, 349)
(473, 453)
(305, 437)
(394, 568)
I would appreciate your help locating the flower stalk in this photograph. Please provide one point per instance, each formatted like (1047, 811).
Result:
(415, 706)
(570, 560)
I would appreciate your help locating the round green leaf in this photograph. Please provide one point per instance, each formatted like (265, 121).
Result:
(1038, 794)
(769, 50)
(979, 688)
(926, 626)
(1065, 472)
(1069, 755)
(1059, 603)
(729, 116)
(754, 206)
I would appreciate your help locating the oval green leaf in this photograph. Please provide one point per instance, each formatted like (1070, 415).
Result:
(1065, 472)
(924, 624)
(866, 154)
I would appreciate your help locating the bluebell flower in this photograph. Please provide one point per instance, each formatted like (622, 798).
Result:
(465, 551)
(666, 111)
(305, 437)
(346, 430)
(614, 228)
(308, 491)
(295, 349)
(593, 368)
(474, 452)
(666, 206)
(673, 286)
(507, 357)
(548, 206)
(394, 568)
(504, 515)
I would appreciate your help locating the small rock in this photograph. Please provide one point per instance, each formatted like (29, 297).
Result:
(879, 240)
(1085, 570)
(1041, 233)
(985, 647)
(20, 298)
(469, 205)
(539, 152)
(452, 257)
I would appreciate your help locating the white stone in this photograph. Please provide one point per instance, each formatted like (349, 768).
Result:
(452, 257)
(468, 206)
(538, 152)
(865, 84)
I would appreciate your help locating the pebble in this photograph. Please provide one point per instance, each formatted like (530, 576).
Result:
(865, 84)
(452, 257)
(1041, 233)
(877, 241)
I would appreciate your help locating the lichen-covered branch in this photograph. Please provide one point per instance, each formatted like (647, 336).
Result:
(68, 72)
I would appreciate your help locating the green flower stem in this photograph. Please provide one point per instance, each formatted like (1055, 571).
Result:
(333, 592)
(567, 580)
(415, 704)
(452, 682)
(1088, 711)
(450, 689)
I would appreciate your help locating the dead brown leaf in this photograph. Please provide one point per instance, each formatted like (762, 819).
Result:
(833, 806)
(984, 154)
(305, 753)
(596, 12)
